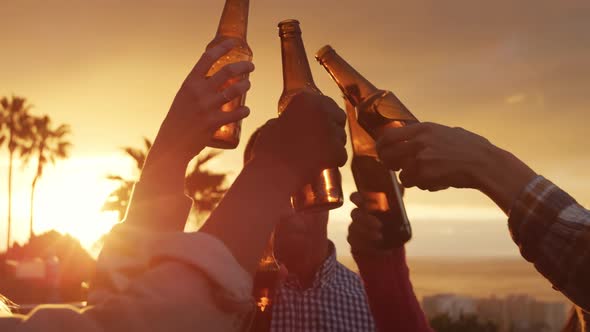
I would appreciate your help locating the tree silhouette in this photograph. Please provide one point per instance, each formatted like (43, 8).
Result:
(75, 266)
(16, 125)
(206, 188)
(46, 145)
(118, 200)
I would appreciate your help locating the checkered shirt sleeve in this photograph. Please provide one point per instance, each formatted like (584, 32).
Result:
(553, 232)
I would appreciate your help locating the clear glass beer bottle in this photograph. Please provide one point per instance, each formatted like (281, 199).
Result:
(324, 192)
(377, 109)
(378, 186)
(232, 25)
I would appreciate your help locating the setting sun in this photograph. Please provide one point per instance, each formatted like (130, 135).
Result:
(70, 199)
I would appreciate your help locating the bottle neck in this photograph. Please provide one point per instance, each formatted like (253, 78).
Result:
(296, 71)
(234, 19)
(362, 143)
(355, 87)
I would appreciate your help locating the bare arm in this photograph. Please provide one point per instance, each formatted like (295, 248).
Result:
(284, 156)
(158, 200)
(385, 274)
(434, 157)
(550, 228)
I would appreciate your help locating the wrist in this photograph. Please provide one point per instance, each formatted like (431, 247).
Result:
(171, 154)
(503, 177)
(164, 168)
(166, 156)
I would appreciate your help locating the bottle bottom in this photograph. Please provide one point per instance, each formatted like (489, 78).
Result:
(322, 194)
(224, 145)
(227, 137)
(318, 207)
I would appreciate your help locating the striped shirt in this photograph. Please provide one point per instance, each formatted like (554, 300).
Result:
(553, 232)
(336, 301)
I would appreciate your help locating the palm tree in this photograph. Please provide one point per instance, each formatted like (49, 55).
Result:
(119, 199)
(206, 188)
(17, 124)
(46, 145)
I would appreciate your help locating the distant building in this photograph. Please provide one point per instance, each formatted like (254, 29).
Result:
(449, 304)
(514, 313)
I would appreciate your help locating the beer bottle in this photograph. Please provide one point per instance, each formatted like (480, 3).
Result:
(325, 191)
(377, 185)
(377, 109)
(232, 25)
(265, 284)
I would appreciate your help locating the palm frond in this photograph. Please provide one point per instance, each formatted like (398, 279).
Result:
(4, 103)
(62, 130)
(205, 187)
(147, 143)
(113, 177)
(138, 156)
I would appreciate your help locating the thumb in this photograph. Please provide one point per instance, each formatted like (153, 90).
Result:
(395, 135)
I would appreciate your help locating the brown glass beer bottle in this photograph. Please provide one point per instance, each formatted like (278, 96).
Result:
(265, 283)
(377, 109)
(232, 25)
(325, 191)
(377, 185)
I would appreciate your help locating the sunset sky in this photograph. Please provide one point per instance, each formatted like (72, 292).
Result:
(517, 72)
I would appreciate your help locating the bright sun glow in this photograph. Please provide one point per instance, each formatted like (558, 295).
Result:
(69, 199)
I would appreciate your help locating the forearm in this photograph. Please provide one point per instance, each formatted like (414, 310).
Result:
(502, 177)
(249, 211)
(158, 201)
(391, 296)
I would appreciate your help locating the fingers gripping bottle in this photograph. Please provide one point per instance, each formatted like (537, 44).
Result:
(233, 25)
(376, 110)
(382, 196)
(325, 190)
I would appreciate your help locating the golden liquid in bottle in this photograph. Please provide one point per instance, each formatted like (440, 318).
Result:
(324, 192)
(228, 136)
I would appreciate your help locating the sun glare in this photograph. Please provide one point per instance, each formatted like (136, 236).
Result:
(71, 201)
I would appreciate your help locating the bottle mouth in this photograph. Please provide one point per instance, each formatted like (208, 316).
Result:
(290, 26)
(322, 52)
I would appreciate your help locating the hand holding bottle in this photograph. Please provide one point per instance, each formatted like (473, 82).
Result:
(434, 157)
(365, 233)
(196, 112)
(308, 136)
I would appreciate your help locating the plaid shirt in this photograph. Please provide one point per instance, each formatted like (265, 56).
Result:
(553, 232)
(336, 301)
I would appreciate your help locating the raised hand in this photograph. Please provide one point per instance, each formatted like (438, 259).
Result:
(195, 113)
(308, 136)
(434, 157)
(365, 233)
